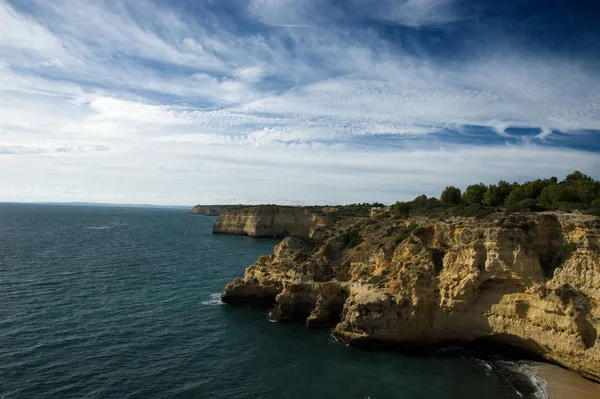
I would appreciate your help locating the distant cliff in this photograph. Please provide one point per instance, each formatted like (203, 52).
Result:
(267, 221)
(212, 210)
(528, 280)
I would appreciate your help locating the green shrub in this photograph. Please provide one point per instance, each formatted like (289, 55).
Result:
(418, 231)
(526, 205)
(477, 211)
(514, 197)
(355, 210)
(352, 239)
(576, 191)
(474, 193)
(495, 195)
(593, 211)
(420, 200)
(354, 242)
(450, 196)
(401, 208)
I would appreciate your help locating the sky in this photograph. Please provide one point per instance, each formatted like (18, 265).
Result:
(294, 102)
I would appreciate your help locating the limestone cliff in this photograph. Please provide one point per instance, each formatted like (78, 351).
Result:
(267, 221)
(528, 280)
(212, 210)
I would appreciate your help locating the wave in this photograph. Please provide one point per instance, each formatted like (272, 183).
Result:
(486, 366)
(106, 226)
(523, 376)
(534, 376)
(215, 300)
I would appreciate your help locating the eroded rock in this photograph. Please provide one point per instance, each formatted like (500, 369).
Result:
(267, 221)
(528, 280)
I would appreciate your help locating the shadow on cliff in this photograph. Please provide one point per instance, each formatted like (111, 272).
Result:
(549, 243)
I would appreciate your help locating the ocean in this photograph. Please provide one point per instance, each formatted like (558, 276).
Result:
(121, 302)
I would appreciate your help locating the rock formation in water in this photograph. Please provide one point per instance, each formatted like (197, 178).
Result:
(528, 280)
(267, 221)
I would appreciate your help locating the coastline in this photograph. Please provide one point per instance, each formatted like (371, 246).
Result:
(565, 384)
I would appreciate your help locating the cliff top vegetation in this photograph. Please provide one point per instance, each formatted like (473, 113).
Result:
(576, 192)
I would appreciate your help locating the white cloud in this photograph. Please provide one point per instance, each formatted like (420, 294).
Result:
(416, 13)
(294, 174)
(304, 13)
(45, 149)
(125, 104)
(282, 13)
(250, 74)
(26, 38)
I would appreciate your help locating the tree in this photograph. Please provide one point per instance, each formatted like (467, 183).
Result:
(495, 195)
(515, 196)
(528, 205)
(420, 200)
(532, 189)
(555, 193)
(474, 193)
(433, 202)
(492, 196)
(576, 191)
(450, 196)
(546, 196)
(529, 190)
(573, 177)
(401, 208)
(586, 190)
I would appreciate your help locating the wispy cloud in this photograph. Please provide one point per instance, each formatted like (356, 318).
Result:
(415, 13)
(298, 101)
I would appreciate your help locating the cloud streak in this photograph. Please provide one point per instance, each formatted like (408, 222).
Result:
(289, 95)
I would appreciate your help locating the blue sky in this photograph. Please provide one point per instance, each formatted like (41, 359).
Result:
(295, 102)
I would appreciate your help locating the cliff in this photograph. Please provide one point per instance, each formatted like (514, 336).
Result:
(528, 280)
(212, 210)
(267, 221)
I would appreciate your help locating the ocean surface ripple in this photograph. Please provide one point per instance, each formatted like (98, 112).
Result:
(121, 302)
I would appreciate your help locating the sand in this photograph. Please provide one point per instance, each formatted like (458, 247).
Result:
(565, 384)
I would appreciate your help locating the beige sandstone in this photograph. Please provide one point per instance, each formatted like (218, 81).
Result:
(212, 210)
(267, 221)
(506, 278)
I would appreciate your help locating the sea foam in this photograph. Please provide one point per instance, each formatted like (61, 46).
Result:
(215, 300)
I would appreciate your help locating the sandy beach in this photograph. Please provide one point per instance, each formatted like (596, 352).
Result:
(565, 384)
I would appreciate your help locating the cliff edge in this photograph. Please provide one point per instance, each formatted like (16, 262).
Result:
(530, 280)
(267, 221)
(212, 210)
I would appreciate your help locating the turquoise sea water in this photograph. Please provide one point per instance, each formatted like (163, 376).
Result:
(108, 302)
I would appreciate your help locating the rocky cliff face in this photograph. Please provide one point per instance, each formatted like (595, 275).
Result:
(528, 280)
(267, 221)
(211, 210)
